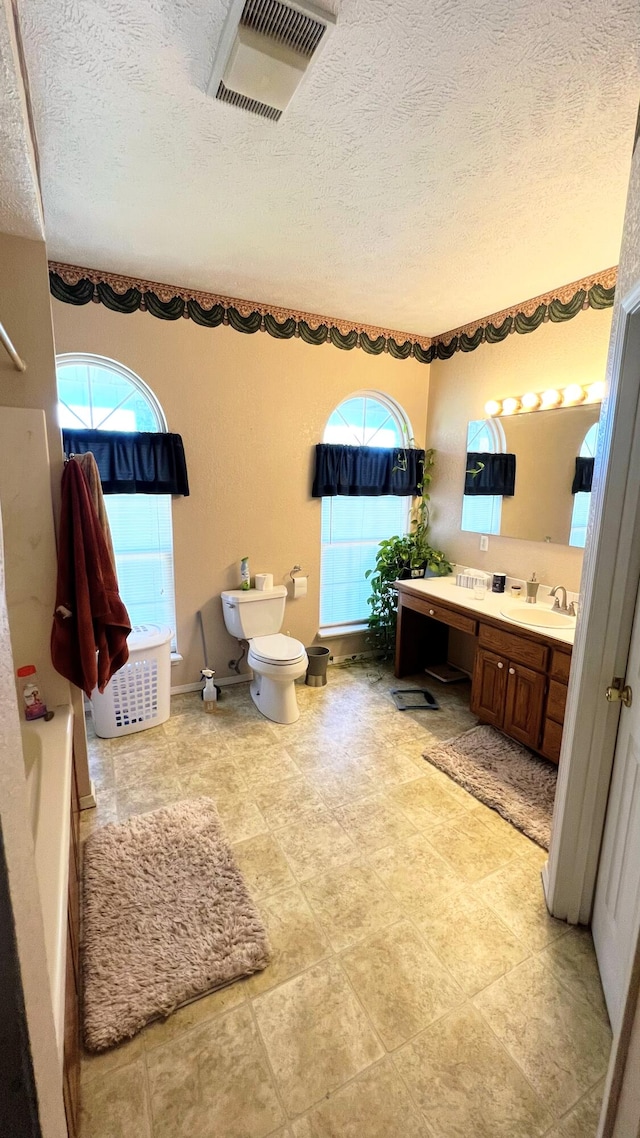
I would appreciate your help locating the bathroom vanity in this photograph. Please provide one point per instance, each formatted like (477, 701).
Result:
(520, 673)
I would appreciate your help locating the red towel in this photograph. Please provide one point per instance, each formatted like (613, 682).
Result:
(89, 616)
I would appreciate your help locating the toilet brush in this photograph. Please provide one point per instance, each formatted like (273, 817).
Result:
(210, 691)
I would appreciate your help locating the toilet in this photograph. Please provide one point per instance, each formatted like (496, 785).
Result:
(276, 660)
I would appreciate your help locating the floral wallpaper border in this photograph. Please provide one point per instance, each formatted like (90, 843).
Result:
(557, 306)
(73, 284)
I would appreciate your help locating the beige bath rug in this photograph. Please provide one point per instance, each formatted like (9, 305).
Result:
(504, 775)
(167, 917)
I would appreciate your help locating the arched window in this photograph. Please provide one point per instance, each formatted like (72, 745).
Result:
(483, 514)
(582, 500)
(352, 528)
(102, 394)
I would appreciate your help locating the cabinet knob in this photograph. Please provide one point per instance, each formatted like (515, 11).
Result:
(512, 671)
(431, 612)
(500, 665)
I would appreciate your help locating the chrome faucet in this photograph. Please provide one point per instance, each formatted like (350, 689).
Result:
(557, 607)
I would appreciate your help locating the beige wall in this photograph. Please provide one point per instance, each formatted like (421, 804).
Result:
(26, 315)
(30, 549)
(25, 473)
(555, 355)
(250, 410)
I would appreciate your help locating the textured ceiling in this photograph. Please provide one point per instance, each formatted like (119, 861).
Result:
(20, 207)
(442, 160)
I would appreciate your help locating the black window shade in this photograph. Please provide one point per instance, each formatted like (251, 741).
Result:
(487, 474)
(366, 471)
(583, 476)
(133, 462)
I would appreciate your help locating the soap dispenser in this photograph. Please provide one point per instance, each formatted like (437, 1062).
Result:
(532, 590)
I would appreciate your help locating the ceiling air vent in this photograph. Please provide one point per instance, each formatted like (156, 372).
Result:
(265, 49)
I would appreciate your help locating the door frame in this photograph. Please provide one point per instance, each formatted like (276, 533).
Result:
(610, 580)
(610, 592)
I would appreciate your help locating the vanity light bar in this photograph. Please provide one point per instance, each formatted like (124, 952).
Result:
(568, 396)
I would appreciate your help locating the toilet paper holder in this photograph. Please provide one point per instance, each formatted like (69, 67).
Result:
(299, 582)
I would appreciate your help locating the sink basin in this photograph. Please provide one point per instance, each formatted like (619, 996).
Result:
(537, 616)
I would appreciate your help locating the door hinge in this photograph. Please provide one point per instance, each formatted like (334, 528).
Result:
(619, 692)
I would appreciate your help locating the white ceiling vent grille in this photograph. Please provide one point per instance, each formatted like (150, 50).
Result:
(286, 25)
(241, 101)
(264, 52)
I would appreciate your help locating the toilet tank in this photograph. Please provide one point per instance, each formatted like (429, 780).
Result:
(250, 612)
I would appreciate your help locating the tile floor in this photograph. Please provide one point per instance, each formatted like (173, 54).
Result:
(418, 987)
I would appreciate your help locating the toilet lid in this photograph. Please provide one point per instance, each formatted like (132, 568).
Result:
(278, 649)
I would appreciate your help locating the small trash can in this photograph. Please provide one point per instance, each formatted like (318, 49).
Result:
(317, 671)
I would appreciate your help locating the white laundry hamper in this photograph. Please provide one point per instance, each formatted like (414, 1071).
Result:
(138, 696)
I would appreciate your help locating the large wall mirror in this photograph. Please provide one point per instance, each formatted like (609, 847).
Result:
(546, 445)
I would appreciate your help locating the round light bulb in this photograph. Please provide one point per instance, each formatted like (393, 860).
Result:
(530, 401)
(551, 398)
(572, 394)
(510, 406)
(595, 391)
(493, 407)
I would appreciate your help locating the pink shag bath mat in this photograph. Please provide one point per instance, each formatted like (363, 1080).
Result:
(506, 776)
(167, 917)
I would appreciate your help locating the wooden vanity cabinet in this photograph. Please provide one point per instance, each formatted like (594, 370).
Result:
(508, 696)
(524, 705)
(519, 682)
(555, 705)
(520, 686)
(489, 687)
(509, 683)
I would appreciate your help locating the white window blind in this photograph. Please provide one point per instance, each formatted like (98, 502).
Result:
(352, 528)
(101, 394)
(483, 514)
(142, 540)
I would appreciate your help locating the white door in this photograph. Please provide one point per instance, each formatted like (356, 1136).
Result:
(616, 913)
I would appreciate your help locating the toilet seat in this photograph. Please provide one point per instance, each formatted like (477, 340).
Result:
(277, 649)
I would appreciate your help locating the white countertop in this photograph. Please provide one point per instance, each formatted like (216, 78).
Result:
(445, 589)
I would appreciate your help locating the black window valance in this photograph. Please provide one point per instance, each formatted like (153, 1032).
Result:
(487, 474)
(583, 476)
(133, 462)
(366, 471)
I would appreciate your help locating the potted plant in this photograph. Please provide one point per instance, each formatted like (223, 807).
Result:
(408, 555)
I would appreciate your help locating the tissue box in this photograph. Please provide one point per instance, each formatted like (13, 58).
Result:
(468, 578)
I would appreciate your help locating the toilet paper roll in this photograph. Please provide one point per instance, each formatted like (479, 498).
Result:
(264, 582)
(299, 587)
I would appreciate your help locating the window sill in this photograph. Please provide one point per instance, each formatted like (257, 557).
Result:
(176, 658)
(340, 630)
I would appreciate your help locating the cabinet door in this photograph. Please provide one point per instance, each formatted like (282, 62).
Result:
(489, 687)
(524, 704)
(556, 701)
(551, 740)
